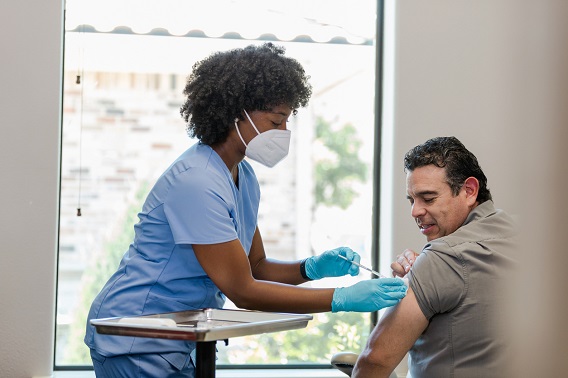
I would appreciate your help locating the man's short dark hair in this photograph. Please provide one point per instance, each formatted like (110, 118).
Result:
(449, 153)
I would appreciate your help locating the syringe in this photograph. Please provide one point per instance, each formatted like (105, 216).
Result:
(363, 267)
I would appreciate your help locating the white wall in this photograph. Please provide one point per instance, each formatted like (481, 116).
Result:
(491, 72)
(473, 69)
(30, 40)
(494, 73)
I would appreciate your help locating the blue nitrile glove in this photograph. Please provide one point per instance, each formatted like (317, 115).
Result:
(328, 264)
(369, 295)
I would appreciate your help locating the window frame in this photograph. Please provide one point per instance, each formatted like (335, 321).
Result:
(376, 218)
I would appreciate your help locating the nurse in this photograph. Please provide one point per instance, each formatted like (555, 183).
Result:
(198, 242)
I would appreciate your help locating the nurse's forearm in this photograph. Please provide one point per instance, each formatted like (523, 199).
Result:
(272, 296)
(246, 280)
(287, 272)
(267, 269)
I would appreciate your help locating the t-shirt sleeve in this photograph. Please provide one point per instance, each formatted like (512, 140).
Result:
(437, 279)
(200, 209)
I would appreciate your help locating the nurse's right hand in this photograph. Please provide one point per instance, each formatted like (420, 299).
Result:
(368, 296)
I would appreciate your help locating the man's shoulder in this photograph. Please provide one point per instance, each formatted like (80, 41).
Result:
(485, 222)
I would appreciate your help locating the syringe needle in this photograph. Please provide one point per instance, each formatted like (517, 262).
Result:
(363, 267)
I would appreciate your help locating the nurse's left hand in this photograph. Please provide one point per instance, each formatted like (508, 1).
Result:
(329, 264)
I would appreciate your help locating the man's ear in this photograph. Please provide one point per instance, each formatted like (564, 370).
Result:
(471, 186)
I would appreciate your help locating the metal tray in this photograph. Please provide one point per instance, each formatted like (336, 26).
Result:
(201, 325)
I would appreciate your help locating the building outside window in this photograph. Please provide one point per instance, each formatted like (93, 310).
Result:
(125, 69)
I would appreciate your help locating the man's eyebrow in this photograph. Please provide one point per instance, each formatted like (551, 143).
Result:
(424, 193)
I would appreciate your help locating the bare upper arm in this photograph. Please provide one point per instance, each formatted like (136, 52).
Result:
(394, 335)
(226, 264)
(257, 255)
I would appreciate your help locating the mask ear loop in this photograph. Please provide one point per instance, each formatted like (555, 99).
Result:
(251, 122)
(238, 132)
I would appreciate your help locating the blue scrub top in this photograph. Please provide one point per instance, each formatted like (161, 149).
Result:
(195, 201)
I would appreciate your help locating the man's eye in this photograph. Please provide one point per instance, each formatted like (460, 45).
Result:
(429, 200)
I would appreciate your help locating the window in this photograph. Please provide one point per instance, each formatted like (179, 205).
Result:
(125, 68)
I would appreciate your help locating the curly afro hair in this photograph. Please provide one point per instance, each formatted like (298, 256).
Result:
(252, 78)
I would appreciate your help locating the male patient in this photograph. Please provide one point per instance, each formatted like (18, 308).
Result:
(448, 320)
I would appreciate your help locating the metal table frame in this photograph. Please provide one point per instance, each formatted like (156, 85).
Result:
(206, 357)
(205, 327)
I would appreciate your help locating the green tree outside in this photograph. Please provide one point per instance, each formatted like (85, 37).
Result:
(335, 174)
(326, 335)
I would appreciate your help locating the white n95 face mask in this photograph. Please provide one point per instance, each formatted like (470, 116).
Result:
(267, 148)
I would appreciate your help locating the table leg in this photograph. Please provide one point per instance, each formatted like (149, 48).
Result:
(205, 355)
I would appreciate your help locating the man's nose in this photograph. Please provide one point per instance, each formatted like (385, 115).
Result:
(417, 210)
